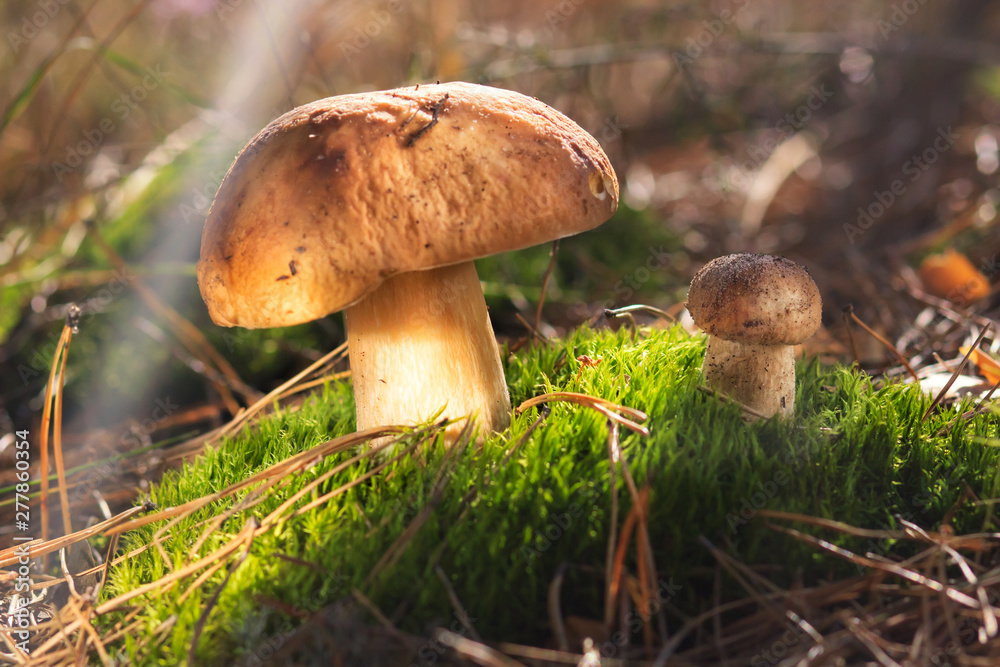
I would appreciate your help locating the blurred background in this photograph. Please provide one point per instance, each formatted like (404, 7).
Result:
(855, 138)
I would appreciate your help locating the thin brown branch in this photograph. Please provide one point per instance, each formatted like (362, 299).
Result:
(610, 583)
(612, 313)
(478, 653)
(57, 425)
(64, 338)
(954, 376)
(604, 406)
(545, 283)
(728, 399)
(555, 608)
(850, 332)
(199, 627)
(189, 335)
(885, 343)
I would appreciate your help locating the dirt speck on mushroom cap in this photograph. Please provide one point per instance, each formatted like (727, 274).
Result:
(753, 298)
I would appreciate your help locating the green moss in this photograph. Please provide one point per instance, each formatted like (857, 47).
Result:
(853, 454)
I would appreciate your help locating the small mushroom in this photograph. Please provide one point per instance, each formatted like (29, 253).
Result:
(378, 203)
(754, 308)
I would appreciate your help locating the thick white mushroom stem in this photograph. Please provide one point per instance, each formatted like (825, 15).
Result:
(761, 377)
(423, 341)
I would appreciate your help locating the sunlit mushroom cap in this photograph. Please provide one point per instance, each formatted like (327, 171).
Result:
(758, 299)
(335, 196)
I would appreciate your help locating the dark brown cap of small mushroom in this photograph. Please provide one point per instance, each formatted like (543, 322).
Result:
(335, 196)
(757, 299)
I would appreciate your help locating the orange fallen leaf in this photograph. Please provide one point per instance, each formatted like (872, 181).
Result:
(951, 276)
(988, 366)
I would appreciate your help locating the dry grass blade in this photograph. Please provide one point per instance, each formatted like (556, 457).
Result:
(325, 498)
(627, 423)
(72, 320)
(84, 72)
(240, 418)
(16, 653)
(67, 334)
(199, 581)
(738, 572)
(313, 383)
(545, 282)
(276, 515)
(277, 469)
(94, 638)
(989, 614)
(892, 568)
(977, 541)
(618, 566)
(805, 625)
(531, 329)
(636, 518)
(610, 583)
(396, 549)
(833, 525)
(373, 610)
(224, 552)
(475, 651)
(254, 497)
(644, 553)
(40, 547)
(543, 655)
(881, 339)
(276, 481)
(847, 310)
(68, 576)
(217, 559)
(638, 308)
(866, 637)
(199, 627)
(756, 623)
(954, 376)
(641, 596)
(249, 531)
(722, 397)
(555, 608)
(460, 613)
(189, 335)
(604, 406)
(982, 406)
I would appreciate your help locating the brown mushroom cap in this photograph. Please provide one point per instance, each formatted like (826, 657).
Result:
(335, 196)
(756, 299)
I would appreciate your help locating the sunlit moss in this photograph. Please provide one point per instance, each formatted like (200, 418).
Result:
(854, 454)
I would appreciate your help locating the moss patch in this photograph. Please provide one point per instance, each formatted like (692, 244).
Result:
(852, 454)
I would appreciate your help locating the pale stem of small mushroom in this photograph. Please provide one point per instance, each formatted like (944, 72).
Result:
(422, 341)
(761, 377)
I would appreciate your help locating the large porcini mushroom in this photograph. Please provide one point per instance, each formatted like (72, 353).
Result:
(754, 308)
(377, 203)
